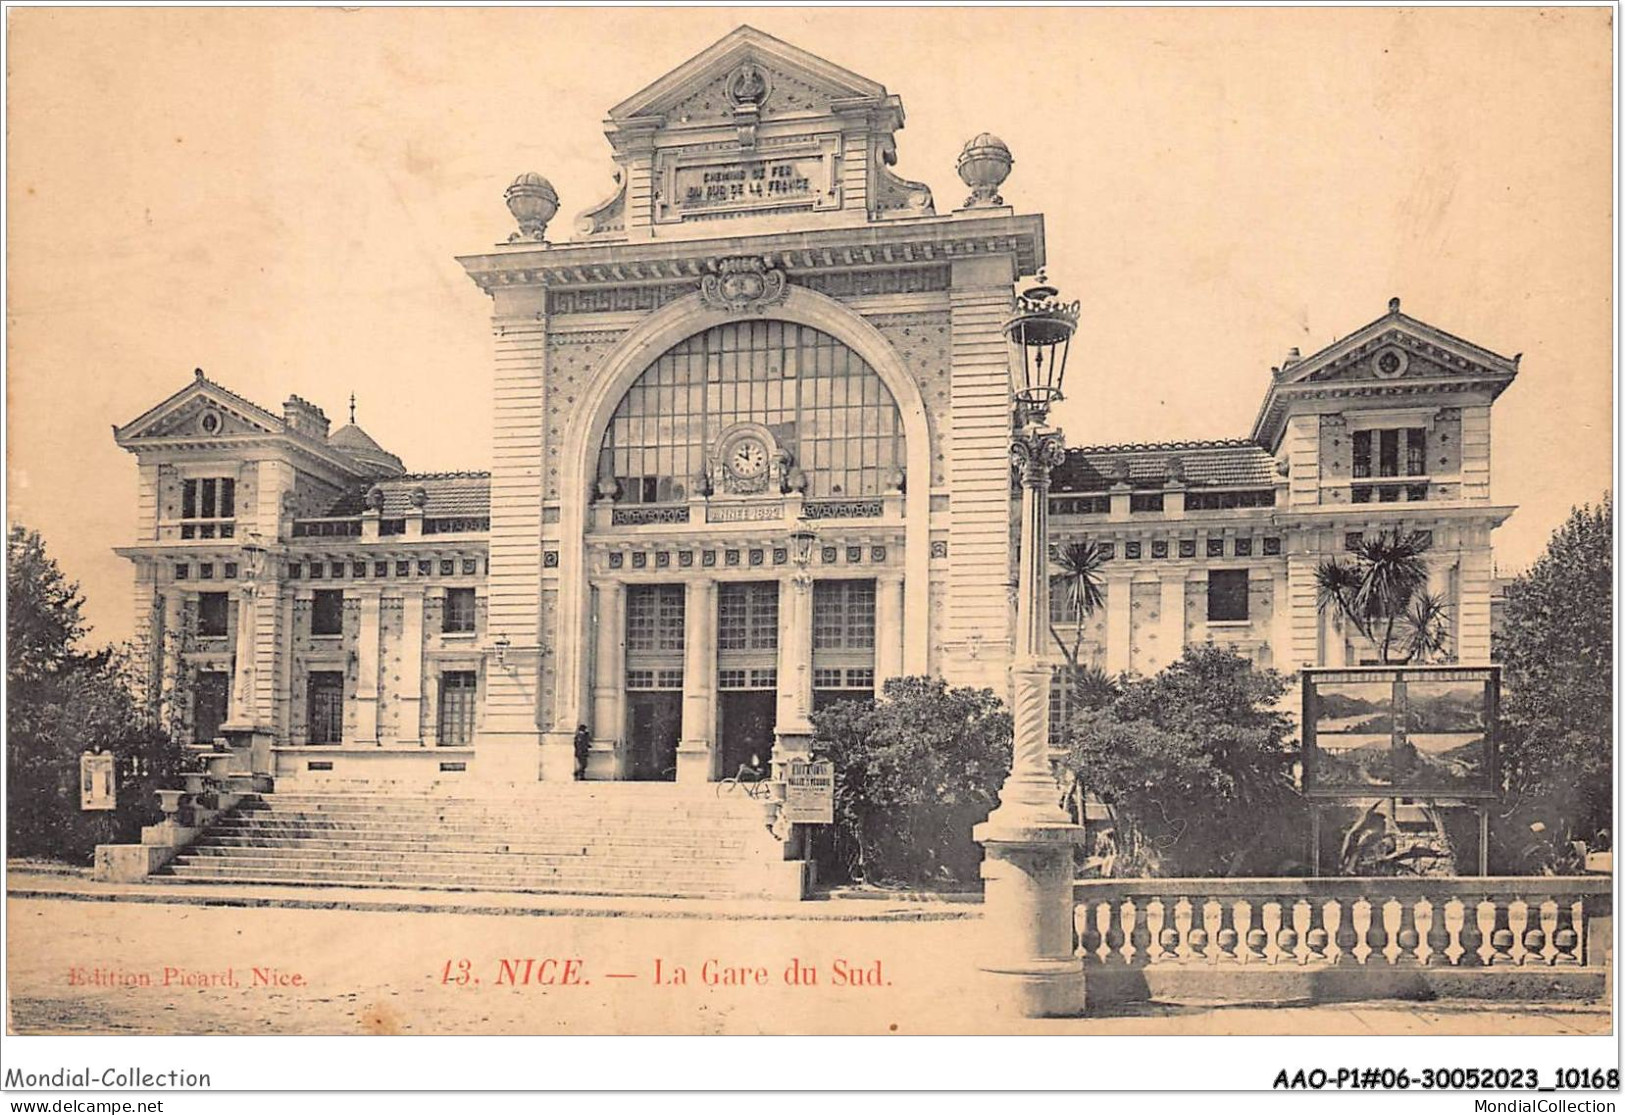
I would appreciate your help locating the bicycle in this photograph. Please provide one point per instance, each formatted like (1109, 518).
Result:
(753, 780)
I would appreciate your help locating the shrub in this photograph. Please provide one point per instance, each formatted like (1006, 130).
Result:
(915, 772)
(1196, 766)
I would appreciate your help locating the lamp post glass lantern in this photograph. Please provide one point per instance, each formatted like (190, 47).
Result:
(1042, 329)
(802, 541)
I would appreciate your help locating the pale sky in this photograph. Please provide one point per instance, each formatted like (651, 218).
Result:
(277, 196)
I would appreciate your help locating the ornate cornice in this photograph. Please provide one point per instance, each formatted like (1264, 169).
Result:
(656, 264)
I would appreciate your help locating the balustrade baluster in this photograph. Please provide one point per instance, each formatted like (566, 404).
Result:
(1228, 937)
(1565, 938)
(1197, 938)
(1407, 938)
(1376, 932)
(1140, 935)
(1168, 936)
(1501, 936)
(1086, 919)
(1438, 937)
(1256, 937)
(1534, 933)
(1286, 937)
(1472, 937)
(1346, 937)
(1316, 938)
(1114, 933)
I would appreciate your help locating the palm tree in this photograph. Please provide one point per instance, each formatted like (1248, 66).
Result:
(1075, 581)
(1381, 588)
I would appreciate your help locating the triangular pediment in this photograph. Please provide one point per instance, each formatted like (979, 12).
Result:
(1396, 347)
(202, 409)
(708, 86)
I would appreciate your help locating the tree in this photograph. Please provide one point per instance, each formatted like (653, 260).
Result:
(61, 701)
(43, 621)
(1381, 588)
(915, 772)
(1555, 646)
(1075, 584)
(1195, 765)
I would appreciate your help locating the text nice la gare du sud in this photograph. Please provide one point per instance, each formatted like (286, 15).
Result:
(126, 1078)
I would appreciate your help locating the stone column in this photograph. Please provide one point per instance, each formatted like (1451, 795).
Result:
(1028, 839)
(792, 731)
(696, 751)
(366, 653)
(411, 691)
(888, 629)
(609, 683)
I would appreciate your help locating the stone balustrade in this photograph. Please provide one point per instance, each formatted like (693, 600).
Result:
(1390, 935)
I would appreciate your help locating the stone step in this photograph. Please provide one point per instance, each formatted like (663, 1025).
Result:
(690, 848)
(277, 878)
(470, 879)
(507, 816)
(622, 855)
(386, 830)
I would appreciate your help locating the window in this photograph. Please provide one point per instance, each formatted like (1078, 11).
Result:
(213, 608)
(748, 616)
(458, 616)
(654, 618)
(212, 499)
(1145, 501)
(1226, 501)
(1226, 595)
(1409, 444)
(843, 615)
(327, 612)
(823, 403)
(458, 693)
(326, 706)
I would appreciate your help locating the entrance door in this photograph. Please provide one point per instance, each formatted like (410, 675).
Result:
(213, 697)
(746, 727)
(655, 719)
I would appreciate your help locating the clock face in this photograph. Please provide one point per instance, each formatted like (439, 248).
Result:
(748, 458)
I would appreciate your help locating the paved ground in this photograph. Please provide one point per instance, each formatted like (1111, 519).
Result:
(93, 961)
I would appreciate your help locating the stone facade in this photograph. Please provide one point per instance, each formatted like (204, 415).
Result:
(762, 328)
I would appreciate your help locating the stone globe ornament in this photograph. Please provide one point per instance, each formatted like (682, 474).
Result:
(983, 165)
(1042, 327)
(533, 202)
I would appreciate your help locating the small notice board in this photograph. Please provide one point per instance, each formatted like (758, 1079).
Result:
(809, 797)
(97, 784)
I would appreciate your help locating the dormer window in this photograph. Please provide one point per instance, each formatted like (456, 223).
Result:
(208, 507)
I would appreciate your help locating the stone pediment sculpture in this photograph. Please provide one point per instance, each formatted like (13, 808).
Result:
(1396, 355)
(747, 67)
(752, 126)
(743, 285)
(201, 410)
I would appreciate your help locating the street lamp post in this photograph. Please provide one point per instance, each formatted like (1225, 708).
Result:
(1028, 839)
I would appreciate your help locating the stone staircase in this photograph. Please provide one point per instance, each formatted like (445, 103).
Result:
(607, 838)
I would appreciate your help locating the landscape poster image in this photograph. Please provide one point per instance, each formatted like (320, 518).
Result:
(1422, 733)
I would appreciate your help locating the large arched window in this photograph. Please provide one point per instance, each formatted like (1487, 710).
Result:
(821, 401)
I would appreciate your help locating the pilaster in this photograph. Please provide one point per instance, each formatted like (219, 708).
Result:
(366, 685)
(411, 691)
(609, 682)
(979, 457)
(792, 730)
(696, 751)
(510, 733)
(888, 629)
(1119, 617)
